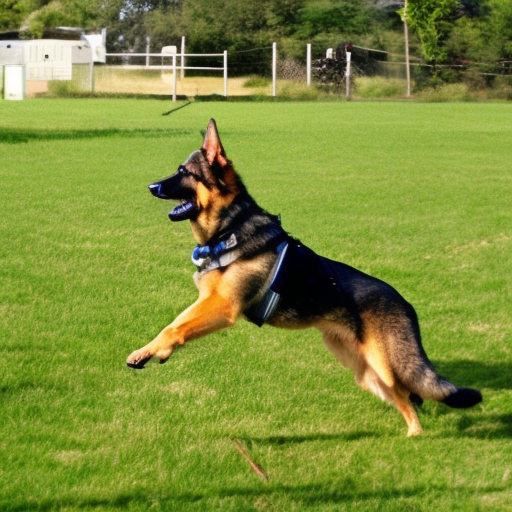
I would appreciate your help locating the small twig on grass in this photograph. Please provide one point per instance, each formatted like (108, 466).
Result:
(255, 468)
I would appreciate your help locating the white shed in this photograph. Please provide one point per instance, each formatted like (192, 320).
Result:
(46, 59)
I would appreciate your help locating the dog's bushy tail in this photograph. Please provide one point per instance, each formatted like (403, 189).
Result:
(432, 387)
(425, 383)
(414, 369)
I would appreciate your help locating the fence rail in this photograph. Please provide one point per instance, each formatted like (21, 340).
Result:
(174, 67)
(165, 55)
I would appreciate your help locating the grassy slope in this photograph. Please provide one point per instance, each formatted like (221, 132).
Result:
(416, 194)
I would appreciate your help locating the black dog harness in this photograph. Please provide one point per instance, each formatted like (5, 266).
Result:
(225, 252)
(298, 275)
(259, 313)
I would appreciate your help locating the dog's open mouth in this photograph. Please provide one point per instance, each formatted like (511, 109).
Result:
(185, 210)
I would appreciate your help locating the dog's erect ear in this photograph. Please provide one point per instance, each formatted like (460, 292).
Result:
(213, 146)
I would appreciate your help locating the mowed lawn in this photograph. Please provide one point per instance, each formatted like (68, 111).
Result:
(419, 195)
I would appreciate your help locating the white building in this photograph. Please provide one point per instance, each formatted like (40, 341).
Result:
(46, 59)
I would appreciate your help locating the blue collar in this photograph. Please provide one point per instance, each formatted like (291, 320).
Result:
(211, 257)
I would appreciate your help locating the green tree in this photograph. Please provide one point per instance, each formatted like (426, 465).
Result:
(10, 14)
(465, 42)
(282, 16)
(496, 28)
(55, 13)
(432, 20)
(129, 22)
(334, 16)
(228, 25)
(14, 12)
(483, 40)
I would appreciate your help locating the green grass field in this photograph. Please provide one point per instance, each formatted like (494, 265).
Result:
(417, 194)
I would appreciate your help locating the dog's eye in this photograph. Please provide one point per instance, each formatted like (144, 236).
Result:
(183, 171)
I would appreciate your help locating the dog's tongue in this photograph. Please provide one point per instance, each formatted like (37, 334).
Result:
(182, 212)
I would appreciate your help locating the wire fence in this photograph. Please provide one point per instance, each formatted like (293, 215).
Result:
(234, 74)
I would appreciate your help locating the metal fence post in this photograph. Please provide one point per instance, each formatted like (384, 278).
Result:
(274, 68)
(183, 57)
(225, 73)
(174, 78)
(308, 64)
(348, 51)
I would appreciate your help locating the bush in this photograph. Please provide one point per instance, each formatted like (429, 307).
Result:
(257, 81)
(378, 87)
(295, 91)
(447, 92)
(502, 89)
(64, 89)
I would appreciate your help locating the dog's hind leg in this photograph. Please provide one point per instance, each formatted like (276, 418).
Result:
(372, 371)
(376, 375)
(401, 400)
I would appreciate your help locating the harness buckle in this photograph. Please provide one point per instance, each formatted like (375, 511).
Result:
(207, 257)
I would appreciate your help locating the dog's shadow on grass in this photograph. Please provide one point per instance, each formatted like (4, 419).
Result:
(485, 426)
(490, 378)
(476, 423)
(480, 375)
(309, 496)
(19, 136)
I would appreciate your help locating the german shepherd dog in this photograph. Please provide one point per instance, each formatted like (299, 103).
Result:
(247, 265)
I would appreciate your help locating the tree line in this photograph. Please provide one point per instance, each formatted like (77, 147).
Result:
(442, 31)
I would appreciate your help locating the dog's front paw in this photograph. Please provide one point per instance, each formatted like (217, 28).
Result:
(138, 359)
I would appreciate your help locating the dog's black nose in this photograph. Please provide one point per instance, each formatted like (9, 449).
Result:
(154, 188)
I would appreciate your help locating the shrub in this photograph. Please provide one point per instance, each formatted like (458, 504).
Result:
(502, 89)
(447, 92)
(257, 81)
(295, 91)
(379, 87)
